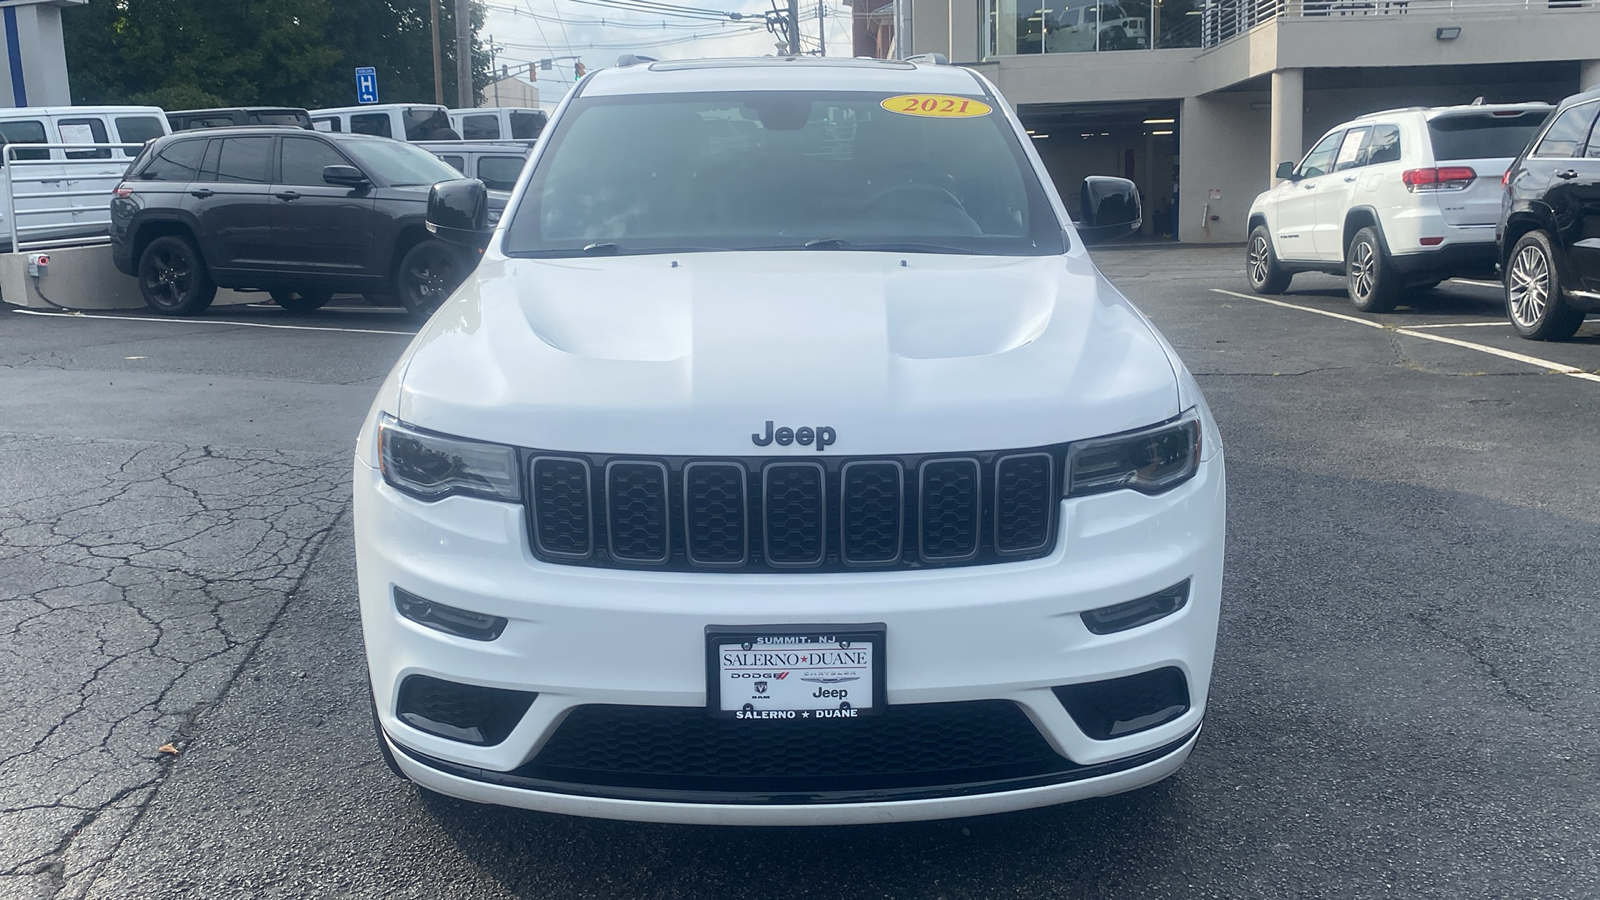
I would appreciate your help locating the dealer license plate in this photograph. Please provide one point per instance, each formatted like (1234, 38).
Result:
(799, 672)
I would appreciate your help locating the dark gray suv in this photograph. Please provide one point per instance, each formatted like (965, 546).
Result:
(297, 213)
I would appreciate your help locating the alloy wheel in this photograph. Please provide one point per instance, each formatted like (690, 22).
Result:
(431, 278)
(169, 277)
(1260, 259)
(1362, 264)
(1529, 288)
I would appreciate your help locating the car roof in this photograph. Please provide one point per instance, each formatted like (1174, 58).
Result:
(373, 107)
(22, 112)
(781, 73)
(268, 130)
(1581, 97)
(510, 148)
(228, 109)
(1434, 112)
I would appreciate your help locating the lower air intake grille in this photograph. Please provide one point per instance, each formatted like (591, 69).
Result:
(683, 748)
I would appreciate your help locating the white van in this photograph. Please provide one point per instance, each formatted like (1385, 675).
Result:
(498, 123)
(49, 178)
(402, 121)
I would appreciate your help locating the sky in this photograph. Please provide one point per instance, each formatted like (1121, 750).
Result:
(598, 31)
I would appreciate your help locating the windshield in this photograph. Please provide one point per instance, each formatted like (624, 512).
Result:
(783, 171)
(399, 164)
(1484, 135)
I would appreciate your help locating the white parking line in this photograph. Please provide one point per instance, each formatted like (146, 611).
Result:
(1553, 366)
(76, 315)
(1460, 325)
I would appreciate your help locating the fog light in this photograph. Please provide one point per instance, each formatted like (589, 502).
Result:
(468, 713)
(448, 619)
(1124, 706)
(1143, 611)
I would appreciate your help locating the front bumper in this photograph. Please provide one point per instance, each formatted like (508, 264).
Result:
(583, 636)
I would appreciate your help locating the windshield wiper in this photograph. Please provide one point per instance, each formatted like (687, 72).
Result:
(899, 247)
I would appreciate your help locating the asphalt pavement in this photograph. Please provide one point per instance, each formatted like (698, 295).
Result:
(1404, 705)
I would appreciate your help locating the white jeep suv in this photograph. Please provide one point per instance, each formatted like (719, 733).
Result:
(787, 461)
(1395, 200)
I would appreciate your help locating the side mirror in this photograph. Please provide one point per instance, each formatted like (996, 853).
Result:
(1110, 209)
(458, 211)
(1286, 171)
(347, 176)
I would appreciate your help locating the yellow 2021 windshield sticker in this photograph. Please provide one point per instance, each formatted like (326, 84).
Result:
(937, 106)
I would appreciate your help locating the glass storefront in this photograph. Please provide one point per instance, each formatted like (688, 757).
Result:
(1026, 27)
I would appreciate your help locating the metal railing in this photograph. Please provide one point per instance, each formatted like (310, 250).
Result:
(1222, 20)
(1028, 27)
(52, 202)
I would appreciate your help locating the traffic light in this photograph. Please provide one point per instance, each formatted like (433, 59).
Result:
(578, 70)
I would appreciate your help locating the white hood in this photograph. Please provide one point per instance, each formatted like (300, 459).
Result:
(691, 355)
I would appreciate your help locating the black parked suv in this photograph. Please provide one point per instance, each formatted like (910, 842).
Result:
(1550, 224)
(298, 213)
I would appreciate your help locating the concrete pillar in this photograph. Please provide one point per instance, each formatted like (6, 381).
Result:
(930, 27)
(964, 31)
(1589, 75)
(35, 69)
(1288, 115)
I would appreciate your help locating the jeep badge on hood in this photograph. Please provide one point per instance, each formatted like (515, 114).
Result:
(805, 436)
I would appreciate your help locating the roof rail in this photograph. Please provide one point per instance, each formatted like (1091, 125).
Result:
(629, 59)
(932, 59)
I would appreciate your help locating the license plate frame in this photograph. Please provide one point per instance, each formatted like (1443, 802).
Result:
(872, 634)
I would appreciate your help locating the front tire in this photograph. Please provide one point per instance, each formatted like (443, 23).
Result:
(1370, 279)
(1261, 264)
(429, 273)
(302, 301)
(173, 279)
(1535, 303)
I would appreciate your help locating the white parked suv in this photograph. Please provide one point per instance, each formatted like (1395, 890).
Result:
(1394, 201)
(792, 466)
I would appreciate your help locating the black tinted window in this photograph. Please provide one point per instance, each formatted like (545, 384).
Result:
(459, 163)
(525, 126)
(290, 117)
(427, 123)
(1384, 145)
(305, 158)
(480, 128)
(244, 159)
(24, 131)
(178, 161)
(1566, 135)
(499, 173)
(84, 131)
(371, 123)
(1482, 135)
(138, 129)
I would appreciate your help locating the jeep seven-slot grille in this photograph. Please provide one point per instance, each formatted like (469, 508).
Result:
(793, 513)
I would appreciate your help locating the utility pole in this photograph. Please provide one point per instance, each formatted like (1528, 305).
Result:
(822, 28)
(438, 66)
(464, 54)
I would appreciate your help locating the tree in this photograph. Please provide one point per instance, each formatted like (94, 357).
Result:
(184, 54)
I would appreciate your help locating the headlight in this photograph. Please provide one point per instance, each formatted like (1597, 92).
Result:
(1150, 460)
(432, 466)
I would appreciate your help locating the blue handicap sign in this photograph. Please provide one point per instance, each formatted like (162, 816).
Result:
(366, 85)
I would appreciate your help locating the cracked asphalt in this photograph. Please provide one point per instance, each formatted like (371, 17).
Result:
(1405, 702)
